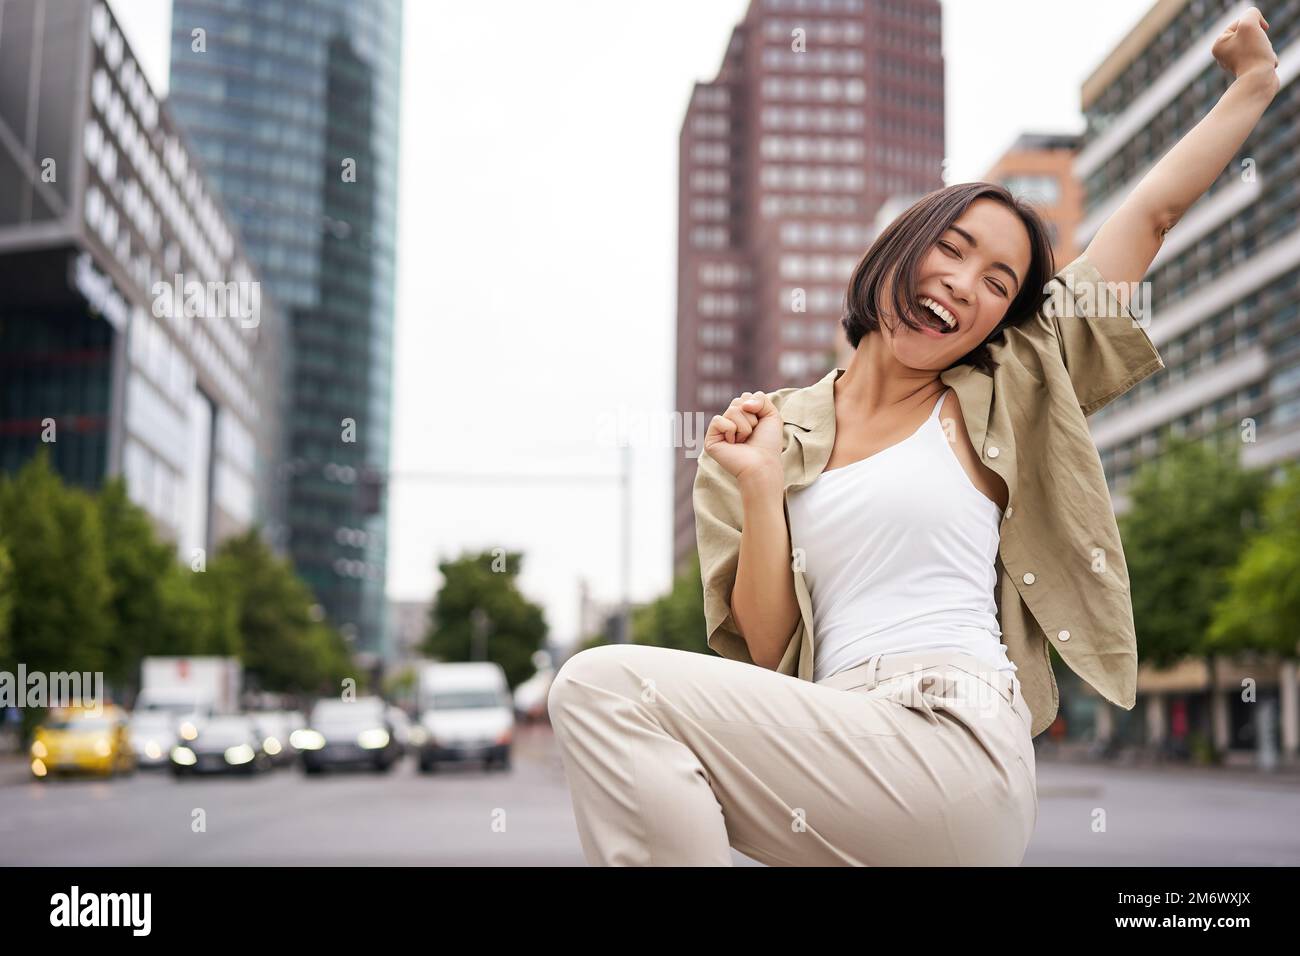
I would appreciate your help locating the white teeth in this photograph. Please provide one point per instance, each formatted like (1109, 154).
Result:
(940, 311)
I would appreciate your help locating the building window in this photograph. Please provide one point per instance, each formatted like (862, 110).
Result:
(1037, 188)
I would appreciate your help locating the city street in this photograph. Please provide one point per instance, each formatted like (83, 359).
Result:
(459, 816)
(463, 816)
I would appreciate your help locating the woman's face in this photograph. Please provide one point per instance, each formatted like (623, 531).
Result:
(974, 270)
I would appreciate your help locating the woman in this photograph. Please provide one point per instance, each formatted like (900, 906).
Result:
(937, 515)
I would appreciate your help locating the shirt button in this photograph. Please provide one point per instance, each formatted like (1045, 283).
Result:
(993, 451)
(1009, 510)
(1063, 635)
(1029, 577)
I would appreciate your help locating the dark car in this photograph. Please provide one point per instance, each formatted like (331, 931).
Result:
(356, 733)
(275, 727)
(221, 745)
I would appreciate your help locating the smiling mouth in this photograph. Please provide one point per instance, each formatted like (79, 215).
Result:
(938, 315)
(932, 321)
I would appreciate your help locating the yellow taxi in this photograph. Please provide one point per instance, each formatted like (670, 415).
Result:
(87, 739)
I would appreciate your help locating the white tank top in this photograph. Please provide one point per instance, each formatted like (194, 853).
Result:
(898, 552)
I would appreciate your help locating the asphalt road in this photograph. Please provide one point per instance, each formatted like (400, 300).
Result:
(1089, 815)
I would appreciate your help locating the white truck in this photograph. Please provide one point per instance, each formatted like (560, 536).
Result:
(176, 695)
(466, 713)
(190, 685)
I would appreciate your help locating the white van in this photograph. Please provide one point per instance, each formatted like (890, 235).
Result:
(466, 712)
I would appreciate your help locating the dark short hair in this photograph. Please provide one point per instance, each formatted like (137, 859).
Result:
(911, 235)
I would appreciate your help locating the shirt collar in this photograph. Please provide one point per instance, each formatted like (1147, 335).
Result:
(813, 407)
(812, 411)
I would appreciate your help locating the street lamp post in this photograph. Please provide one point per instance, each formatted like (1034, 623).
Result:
(624, 477)
(478, 620)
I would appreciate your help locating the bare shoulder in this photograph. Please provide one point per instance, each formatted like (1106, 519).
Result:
(986, 481)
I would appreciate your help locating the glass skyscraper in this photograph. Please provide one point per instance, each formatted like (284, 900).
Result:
(292, 107)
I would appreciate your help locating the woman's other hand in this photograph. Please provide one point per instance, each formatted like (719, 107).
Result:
(1244, 45)
(746, 438)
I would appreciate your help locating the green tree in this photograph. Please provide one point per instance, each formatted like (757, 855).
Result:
(1192, 510)
(60, 591)
(284, 648)
(512, 627)
(197, 616)
(1261, 610)
(677, 618)
(138, 564)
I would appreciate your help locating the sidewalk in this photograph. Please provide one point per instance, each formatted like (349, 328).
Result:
(1237, 764)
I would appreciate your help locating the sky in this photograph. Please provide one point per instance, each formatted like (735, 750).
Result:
(537, 234)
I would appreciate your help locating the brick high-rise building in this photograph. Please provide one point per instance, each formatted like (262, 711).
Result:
(821, 111)
(1039, 167)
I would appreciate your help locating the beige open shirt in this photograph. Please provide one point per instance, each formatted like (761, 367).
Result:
(1061, 571)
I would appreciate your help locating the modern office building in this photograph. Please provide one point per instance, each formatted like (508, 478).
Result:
(135, 338)
(1224, 300)
(821, 110)
(1225, 286)
(293, 107)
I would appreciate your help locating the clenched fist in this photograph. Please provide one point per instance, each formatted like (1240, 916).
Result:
(1244, 45)
(747, 437)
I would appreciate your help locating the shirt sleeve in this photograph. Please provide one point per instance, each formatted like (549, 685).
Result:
(1105, 348)
(718, 520)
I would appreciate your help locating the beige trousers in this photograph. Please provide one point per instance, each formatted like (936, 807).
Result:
(672, 757)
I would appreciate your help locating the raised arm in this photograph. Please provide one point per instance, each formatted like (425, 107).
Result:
(1127, 242)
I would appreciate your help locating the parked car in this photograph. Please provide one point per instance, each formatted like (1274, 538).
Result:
(274, 728)
(227, 744)
(153, 735)
(466, 713)
(295, 721)
(358, 733)
(83, 739)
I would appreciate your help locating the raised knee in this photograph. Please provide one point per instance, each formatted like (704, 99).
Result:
(576, 675)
